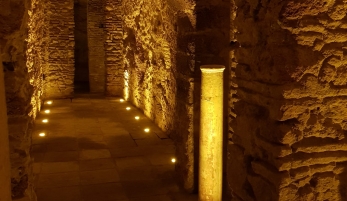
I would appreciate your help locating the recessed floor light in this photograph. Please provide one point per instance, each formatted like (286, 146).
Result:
(49, 102)
(121, 100)
(45, 121)
(146, 130)
(137, 117)
(42, 134)
(128, 108)
(47, 111)
(173, 160)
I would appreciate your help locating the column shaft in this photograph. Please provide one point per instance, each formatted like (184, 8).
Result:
(211, 133)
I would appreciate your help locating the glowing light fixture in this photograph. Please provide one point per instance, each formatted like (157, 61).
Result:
(147, 130)
(121, 100)
(173, 160)
(42, 134)
(47, 111)
(45, 120)
(128, 108)
(49, 102)
(137, 117)
(211, 133)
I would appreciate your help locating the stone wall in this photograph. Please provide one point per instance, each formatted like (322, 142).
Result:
(149, 63)
(288, 103)
(203, 38)
(5, 167)
(22, 45)
(114, 48)
(96, 41)
(185, 130)
(81, 43)
(59, 75)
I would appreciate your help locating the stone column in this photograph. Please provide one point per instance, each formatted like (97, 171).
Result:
(211, 133)
(5, 171)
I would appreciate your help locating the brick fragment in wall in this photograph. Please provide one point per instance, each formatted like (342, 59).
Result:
(288, 83)
(96, 41)
(59, 74)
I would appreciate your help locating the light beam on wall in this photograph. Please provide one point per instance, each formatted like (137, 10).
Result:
(126, 85)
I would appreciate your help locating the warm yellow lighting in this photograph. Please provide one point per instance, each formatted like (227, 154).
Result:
(42, 134)
(121, 100)
(137, 117)
(128, 108)
(45, 121)
(173, 160)
(47, 111)
(146, 130)
(49, 102)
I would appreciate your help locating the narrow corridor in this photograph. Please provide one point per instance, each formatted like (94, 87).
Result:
(99, 149)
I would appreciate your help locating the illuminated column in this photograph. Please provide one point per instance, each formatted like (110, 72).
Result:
(211, 133)
(5, 170)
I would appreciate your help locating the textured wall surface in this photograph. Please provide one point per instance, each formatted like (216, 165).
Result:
(288, 103)
(96, 41)
(59, 75)
(81, 42)
(5, 166)
(149, 51)
(114, 48)
(203, 39)
(23, 83)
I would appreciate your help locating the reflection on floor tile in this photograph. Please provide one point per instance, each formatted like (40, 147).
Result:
(95, 150)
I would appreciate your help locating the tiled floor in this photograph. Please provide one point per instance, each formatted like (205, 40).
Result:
(95, 150)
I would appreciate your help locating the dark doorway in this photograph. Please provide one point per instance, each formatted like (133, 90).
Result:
(81, 80)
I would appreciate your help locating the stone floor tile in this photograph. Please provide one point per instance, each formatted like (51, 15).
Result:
(94, 154)
(109, 130)
(113, 142)
(92, 145)
(38, 148)
(103, 192)
(141, 188)
(183, 196)
(73, 161)
(61, 156)
(90, 138)
(57, 147)
(153, 141)
(71, 193)
(131, 162)
(37, 157)
(99, 176)
(163, 149)
(58, 180)
(129, 151)
(142, 173)
(164, 172)
(61, 140)
(152, 198)
(37, 168)
(97, 164)
(160, 159)
(57, 167)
